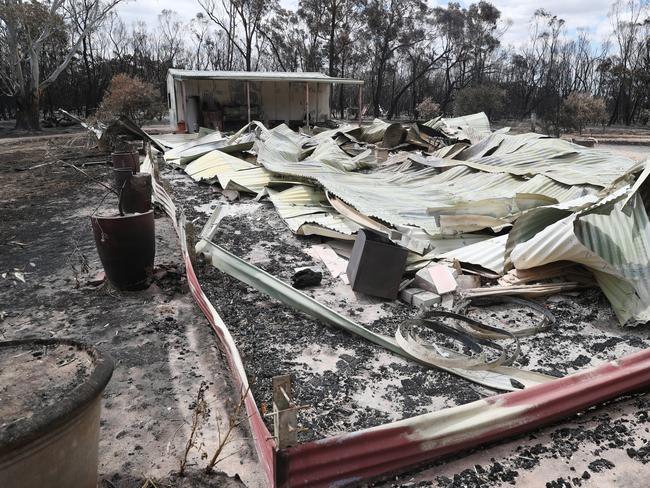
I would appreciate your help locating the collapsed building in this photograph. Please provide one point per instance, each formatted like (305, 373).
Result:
(439, 215)
(488, 200)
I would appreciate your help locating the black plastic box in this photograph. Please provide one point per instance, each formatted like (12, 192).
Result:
(376, 265)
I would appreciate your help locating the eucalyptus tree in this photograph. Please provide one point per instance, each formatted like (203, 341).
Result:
(39, 39)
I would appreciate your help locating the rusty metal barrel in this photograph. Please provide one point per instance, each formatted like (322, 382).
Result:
(136, 194)
(126, 159)
(121, 176)
(127, 247)
(135, 190)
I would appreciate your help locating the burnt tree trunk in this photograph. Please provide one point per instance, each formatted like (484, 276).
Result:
(28, 111)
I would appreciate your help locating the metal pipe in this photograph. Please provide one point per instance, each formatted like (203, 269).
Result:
(248, 103)
(307, 103)
(360, 102)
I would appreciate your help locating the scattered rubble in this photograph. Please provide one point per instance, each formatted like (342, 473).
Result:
(306, 277)
(432, 205)
(457, 221)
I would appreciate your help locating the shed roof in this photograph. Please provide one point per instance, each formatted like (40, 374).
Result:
(186, 74)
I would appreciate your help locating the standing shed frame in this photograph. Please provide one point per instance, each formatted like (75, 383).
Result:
(268, 96)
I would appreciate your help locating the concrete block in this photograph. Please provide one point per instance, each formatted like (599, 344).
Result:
(437, 278)
(407, 294)
(447, 301)
(426, 299)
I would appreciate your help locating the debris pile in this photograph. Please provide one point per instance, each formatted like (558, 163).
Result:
(438, 215)
(449, 217)
(465, 213)
(470, 206)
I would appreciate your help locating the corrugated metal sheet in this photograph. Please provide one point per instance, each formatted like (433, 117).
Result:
(403, 198)
(328, 152)
(622, 239)
(535, 220)
(182, 154)
(301, 204)
(514, 142)
(543, 185)
(557, 159)
(174, 140)
(195, 148)
(351, 458)
(473, 128)
(234, 173)
(482, 147)
(489, 254)
(612, 238)
(497, 142)
(526, 171)
(478, 121)
(450, 151)
(214, 164)
(253, 180)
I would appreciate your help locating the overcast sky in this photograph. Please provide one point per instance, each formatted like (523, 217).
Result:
(579, 14)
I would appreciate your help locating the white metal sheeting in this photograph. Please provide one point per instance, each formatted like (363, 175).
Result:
(214, 164)
(560, 160)
(490, 254)
(563, 201)
(420, 198)
(184, 153)
(472, 127)
(301, 204)
(308, 76)
(612, 238)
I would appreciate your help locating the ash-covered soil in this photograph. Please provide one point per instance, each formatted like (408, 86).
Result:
(351, 384)
(348, 383)
(604, 446)
(162, 345)
(164, 348)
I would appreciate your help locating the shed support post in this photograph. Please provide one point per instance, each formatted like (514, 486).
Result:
(248, 102)
(184, 102)
(360, 103)
(317, 102)
(287, 120)
(307, 104)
